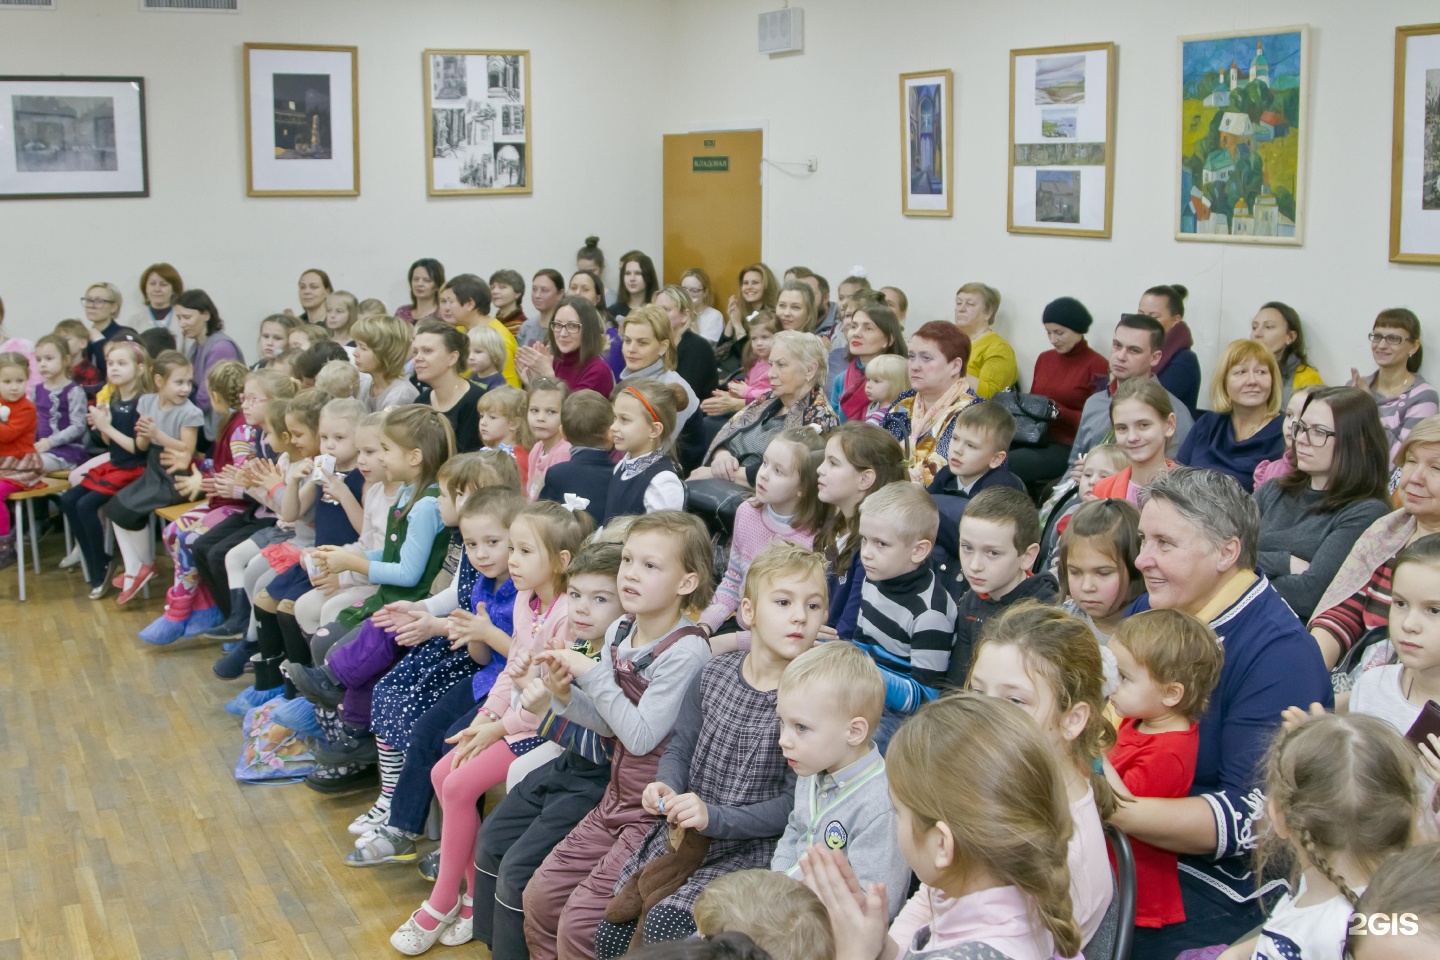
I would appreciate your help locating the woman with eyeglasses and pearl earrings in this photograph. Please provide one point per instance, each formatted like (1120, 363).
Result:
(102, 311)
(1405, 398)
(572, 351)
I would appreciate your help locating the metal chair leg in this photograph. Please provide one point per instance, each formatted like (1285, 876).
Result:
(18, 528)
(34, 535)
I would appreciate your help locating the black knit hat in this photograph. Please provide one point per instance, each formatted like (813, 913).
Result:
(1068, 312)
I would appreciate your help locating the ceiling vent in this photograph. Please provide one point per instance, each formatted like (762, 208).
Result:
(202, 6)
(782, 31)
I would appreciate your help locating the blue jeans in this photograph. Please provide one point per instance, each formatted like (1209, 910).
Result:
(890, 721)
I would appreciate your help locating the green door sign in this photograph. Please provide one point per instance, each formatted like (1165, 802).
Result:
(709, 164)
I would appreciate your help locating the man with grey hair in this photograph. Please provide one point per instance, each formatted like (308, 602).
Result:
(1199, 532)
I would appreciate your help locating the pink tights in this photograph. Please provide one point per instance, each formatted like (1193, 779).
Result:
(7, 487)
(459, 790)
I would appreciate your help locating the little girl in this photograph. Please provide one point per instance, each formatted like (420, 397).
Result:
(757, 359)
(543, 539)
(1406, 885)
(1048, 663)
(1144, 422)
(983, 823)
(1341, 797)
(1103, 461)
(382, 345)
(274, 338)
(20, 465)
(886, 377)
(860, 458)
(646, 479)
(651, 657)
(59, 407)
(82, 368)
(486, 345)
(189, 608)
(502, 424)
(550, 447)
(786, 506)
(306, 335)
(128, 372)
(1097, 574)
(167, 430)
(341, 312)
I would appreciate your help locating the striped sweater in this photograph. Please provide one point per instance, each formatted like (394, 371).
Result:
(907, 626)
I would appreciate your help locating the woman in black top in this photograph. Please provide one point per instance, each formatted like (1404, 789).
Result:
(440, 352)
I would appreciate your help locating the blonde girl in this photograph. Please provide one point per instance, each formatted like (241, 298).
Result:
(1096, 568)
(487, 357)
(59, 406)
(382, 345)
(543, 539)
(341, 312)
(503, 412)
(1340, 797)
(1144, 423)
(167, 430)
(548, 447)
(983, 821)
(82, 368)
(306, 335)
(646, 479)
(786, 506)
(886, 377)
(274, 338)
(756, 367)
(1048, 663)
(1406, 892)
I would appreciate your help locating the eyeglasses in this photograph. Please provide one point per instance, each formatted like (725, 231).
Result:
(1315, 436)
(1394, 339)
(95, 301)
(250, 398)
(565, 328)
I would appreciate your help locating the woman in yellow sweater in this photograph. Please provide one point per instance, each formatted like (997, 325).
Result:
(992, 361)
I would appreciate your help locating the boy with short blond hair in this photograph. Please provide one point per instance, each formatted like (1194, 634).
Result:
(783, 916)
(977, 461)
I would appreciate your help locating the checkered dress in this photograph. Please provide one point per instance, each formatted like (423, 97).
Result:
(737, 762)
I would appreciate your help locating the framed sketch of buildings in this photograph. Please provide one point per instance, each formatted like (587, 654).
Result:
(927, 144)
(1415, 148)
(302, 121)
(1062, 140)
(477, 122)
(72, 137)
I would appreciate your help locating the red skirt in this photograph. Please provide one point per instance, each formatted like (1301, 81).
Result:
(109, 479)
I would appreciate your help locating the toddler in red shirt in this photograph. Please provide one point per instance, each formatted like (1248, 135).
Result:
(1169, 662)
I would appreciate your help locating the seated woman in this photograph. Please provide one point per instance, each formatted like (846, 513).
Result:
(200, 324)
(572, 350)
(427, 276)
(873, 330)
(923, 417)
(648, 346)
(992, 365)
(758, 290)
(694, 355)
(440, 351)
(1405, 398)
(1358, 599)
(1277, 326)
(1245, 427)
(1310, 518)
(796, 399)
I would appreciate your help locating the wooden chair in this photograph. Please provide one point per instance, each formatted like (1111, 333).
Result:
(25, 512)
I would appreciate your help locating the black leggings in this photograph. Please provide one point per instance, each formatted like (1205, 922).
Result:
(209, 551)
(82, 507)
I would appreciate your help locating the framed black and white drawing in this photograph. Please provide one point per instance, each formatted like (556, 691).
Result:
(72, 137)
(477, 122)
(302, 121)
(1415, 147)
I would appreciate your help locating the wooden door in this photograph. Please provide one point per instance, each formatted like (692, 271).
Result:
(712, 206)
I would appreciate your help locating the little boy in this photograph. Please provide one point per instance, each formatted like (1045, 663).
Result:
(830, 703)
(782, 916)
(978, 451)
(1169, 663)
(907, 619)
(585, 419)
(999, 541)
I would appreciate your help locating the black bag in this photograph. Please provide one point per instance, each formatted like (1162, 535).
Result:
(1032, 412)
(715, 501)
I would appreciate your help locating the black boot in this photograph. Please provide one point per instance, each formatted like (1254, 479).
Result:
(234, 626)
(267, 674)
(267, 632)
(297, 645)
(231, 665)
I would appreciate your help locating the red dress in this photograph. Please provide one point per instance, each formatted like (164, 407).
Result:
(19, 461)
(1156, 765)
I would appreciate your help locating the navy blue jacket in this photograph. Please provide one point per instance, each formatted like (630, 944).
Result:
(586, 474)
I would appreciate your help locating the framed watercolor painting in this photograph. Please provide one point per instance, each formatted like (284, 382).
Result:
(1062, 140)
(1242, 137)
(302, 121)
(477, 122)
(1415, 148)
(72, 137)
(927, 144)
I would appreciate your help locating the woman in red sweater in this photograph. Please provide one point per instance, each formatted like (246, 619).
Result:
(1068, 375)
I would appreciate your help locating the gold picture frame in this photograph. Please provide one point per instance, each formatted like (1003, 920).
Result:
(477, 145)
(1056, 160)
(927, 182)
(308, 143)
(1415, 159)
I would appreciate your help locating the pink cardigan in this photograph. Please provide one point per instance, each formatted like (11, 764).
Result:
(552, 632)
(559, 452)
(757, 381)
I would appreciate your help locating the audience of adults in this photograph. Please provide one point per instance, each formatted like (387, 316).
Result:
(1358, 598)
(588, 285)
(709, 322)
(201, 326)
(1311, 517)
(923, 417)
(694, 355)
(1245, 426)
(648, 345)
(795, 307)
(465, 303)
(1178, 367)
(1200, 532)
(1068, 374)
(1277, 325)
(1404, 397)
(571, 351)
(440, 351)
(991, 367)
(757, 290)
(638, 284)
(160, 284)
(796, 399)
(874, 329)
(314, 290)
(102, 302)
(547, 289)
(426, 277)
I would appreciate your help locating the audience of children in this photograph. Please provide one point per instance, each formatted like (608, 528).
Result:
(646, 478)
(546, 432)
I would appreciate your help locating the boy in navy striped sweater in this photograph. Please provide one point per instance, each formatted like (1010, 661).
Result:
(907, 618)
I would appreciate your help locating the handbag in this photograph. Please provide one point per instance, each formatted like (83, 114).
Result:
(1032, 412)
(715, 501)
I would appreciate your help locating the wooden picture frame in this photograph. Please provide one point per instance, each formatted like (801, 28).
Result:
(1241, 146)
(307, 143)
(1415, 147)
(477, 122)
(72, 137)
(1062, 140)
(927, 181)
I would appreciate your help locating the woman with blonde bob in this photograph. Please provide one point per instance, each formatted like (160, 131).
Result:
(1245, 426)
(647, 342)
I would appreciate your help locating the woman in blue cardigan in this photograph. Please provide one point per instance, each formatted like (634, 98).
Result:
(1245, 427)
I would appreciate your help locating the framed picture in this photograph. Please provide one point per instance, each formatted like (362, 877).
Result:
(927, 144)
(72, 137)
(302, 121)
(477, 122)
(1242, 137)
(1415, 149)
(1062, 135)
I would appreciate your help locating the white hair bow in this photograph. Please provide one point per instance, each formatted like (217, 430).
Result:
(573, 503)
(857, 271)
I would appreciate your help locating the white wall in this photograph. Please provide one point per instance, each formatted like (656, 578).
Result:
(247, 253)
(838, 101)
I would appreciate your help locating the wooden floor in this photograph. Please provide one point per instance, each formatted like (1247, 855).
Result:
(123, 832)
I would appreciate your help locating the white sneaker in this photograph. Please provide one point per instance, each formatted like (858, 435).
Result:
(462, 930)
(368, 821)
(412, 939)
(72, 558)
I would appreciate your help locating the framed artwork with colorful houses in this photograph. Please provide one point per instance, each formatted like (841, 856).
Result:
(1242, 137)
(477, 122)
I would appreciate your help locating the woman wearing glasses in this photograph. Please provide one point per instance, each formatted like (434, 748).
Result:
(1245, 427)
(1310, 519)
(102, 307)
(1405, 398)
(572, 351)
